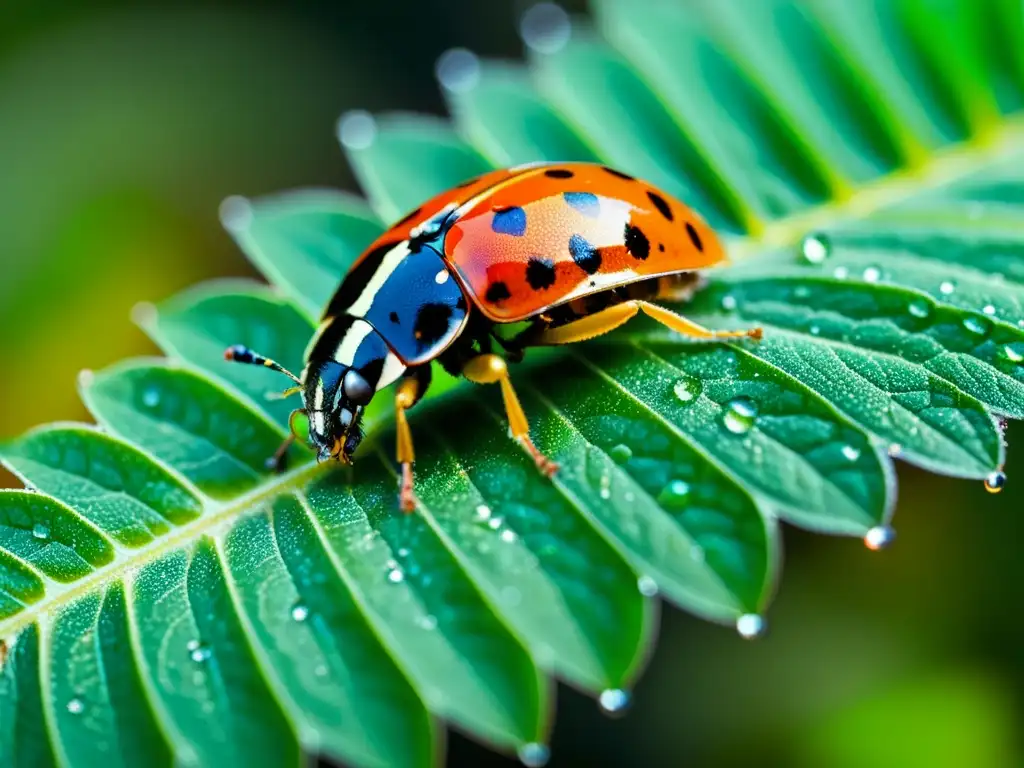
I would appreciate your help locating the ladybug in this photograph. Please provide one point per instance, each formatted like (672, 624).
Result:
(534, 255)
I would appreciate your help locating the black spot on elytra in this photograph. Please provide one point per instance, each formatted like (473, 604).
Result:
(540, 273)
(497, 292)
(584, 202)
(637, 244)
(661, 247)
(661, 205)
(509, 221)
(559, 173)
(432, 322)
(694, 237)
(620, 174)
(586, 256)
(407, 218)
(393, 317)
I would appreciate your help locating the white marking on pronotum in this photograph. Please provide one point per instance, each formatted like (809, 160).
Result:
(393, 368)
(361, 306)
(318, 397)
(346, 351)
(318, 422)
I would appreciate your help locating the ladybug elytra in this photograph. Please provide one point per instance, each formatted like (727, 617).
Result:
(569, 250)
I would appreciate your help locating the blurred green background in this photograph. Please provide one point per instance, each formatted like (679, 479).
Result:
(123, 125)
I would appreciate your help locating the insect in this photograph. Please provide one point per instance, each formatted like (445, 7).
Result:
(536, 255)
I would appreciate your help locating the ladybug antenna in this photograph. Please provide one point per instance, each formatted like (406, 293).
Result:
(241, 354)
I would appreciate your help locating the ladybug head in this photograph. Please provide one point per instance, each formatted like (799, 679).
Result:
(335, 397)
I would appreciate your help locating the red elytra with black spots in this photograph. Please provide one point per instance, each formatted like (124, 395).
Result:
(521, 241)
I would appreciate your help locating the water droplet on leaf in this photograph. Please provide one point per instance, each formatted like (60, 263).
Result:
(850, 453)
(920, 309)
(199, 652)
(1012, 353)
(751, 626)
(76, 706)
(41, 531)
(614, 701)
(946, 288)
(300, 612)
(989, 310)
(545, 28)
(508, 535)
(648, 587)
(483, 513)
(620, 453)
(815, 248)
(675, 495)
(995, 482)
(687, 389)
(740, 415)
(841, 273)
(880, 537)
(872, 274)
(534, 755)
(979, 326)
(151, 397)
(729, 303)
(395, 575)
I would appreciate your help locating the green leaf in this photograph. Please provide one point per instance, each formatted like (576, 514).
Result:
(164, 597)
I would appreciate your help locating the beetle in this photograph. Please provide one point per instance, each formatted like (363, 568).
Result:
(534, 255)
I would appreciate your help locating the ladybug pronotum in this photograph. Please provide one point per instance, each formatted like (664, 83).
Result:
(565, 252)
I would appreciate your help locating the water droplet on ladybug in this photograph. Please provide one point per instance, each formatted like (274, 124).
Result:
(458, 70)
(815, 248)
(880, 537)
(946, 288)
(614, 701)
(751, 626)
(235, 213)
(442, 277)
(740, 415)
(534, 755)
(357, 129)
(687, 389)
(545, 28)
(995, 482)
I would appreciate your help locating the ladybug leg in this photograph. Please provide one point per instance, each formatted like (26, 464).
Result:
(687, 327)
(277, 462)
(589, 326)
(491, 369)
(408, 392)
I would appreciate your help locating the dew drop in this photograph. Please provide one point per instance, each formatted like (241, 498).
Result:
(815, 248)
(850, 453)
(427, 622)
(1011, 353)
(235, 213)
(880, 537)
(920, 309)
(458, 70)
(320, 670)
(41, 531)
(946, 288)
(545, 28)
(300, 612)
(740, 415)
(151, 397)
(895, 450)
(76, 706)
(357, 129)
(648, 587)
(989, 310)
(687, 389)
(841, 273)
(614, 701)
(979, 326)
(751, 626)
(534, 755)
(395, 575)
(495, 523)
(995, 482)
(620, 453)
(675, 495)
(508, 535)
(729, 303)
(483, 513)
(872, 274)
(199, 652)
